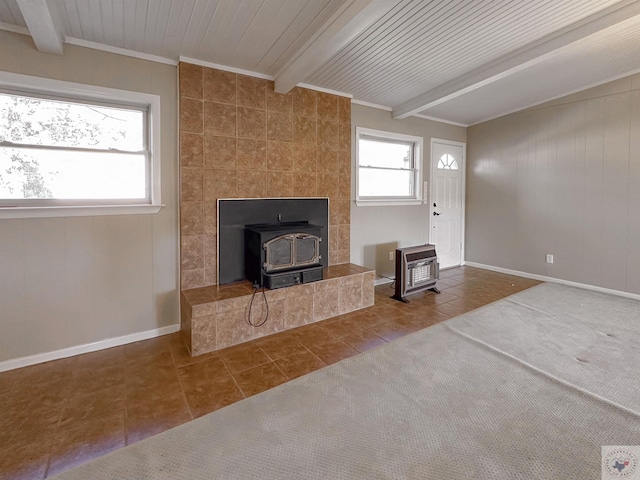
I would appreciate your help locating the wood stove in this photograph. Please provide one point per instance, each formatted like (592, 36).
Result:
(235, 214)
(283, 254)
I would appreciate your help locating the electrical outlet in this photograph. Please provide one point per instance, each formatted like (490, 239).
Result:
(549, 258)
(391, 256)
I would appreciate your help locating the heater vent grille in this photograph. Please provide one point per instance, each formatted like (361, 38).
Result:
(416, 270)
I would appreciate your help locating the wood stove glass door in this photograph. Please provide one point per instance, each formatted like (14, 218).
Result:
(279, 253)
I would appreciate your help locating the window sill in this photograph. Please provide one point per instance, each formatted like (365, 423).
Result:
(387, 203)
(76, 211)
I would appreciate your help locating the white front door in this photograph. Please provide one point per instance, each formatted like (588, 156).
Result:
(447, 201)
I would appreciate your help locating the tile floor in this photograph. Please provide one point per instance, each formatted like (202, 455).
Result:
(65, 412)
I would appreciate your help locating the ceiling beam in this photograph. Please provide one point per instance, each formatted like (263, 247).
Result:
(520, 59)
(42, 28)
(351, 19)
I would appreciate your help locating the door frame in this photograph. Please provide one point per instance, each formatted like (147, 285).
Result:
(463, 171)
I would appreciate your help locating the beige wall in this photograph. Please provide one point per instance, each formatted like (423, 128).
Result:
(66, 282)
(561, 179)
(240, 139)
(377, 230)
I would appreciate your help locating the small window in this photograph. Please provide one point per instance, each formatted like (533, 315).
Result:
(388, 168)
(447, 162)
(60, 150)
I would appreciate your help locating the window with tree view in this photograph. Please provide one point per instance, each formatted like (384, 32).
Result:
(388, 166)
(60, 151)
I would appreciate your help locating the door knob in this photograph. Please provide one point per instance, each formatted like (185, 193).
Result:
(435, 213)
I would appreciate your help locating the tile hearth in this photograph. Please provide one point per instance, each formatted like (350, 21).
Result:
(215, 317)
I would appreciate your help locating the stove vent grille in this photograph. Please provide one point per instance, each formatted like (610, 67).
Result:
(416, 270)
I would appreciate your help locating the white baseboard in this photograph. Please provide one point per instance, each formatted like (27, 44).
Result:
(86, 348)
(544, 278)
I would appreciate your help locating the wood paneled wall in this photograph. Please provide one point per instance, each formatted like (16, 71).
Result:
(562, 179)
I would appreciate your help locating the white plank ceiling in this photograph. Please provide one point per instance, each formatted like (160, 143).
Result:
(462, 61)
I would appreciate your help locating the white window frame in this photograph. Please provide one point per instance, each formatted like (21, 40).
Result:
(48, 88)
(416, 198)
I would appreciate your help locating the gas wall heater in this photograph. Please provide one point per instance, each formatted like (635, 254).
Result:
(416, 270)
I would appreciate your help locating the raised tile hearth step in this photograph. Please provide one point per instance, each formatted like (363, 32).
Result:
(215, 317)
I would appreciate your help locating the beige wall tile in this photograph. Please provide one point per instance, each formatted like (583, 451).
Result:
(333, 214)
(304, 184)
(191, 278)
(344, 256)
(203, 309)
(298, 310)
(220, 119)
(275, 321)
(344, 136)
(304, 158)
(350, 297)
(220, 184)
(210, 276)
(252, 184)
(191, 218)
(325, 304)
(344, 110)
(304, 102)
(328, 134)
(304, 130)
(328, 284)
(280, 184)
(344, 187)
(343, 210)
(185, 323)
(235, 303)
(368, 290)
(191, 80)
(327, 160)
(191, 185)
(327, 106)
(232, 328)
(344, 239)
(279, 102)
(351, 279)
(252, 123)
(277, 294)
(279, 156)
(279, 126)
(344, 162)
(219, 86)
(191, 149)
(220, 152)
(333, 238)
(252, 154)
(328, 185)
(191, 115)
(210, 251)
(369, 277)
(203, 335)
(333, 257)
(252, 92)
(210, 217)
(192, 252)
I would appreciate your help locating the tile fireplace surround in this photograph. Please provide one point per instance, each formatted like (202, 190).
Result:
(241, 139)
(214, 317)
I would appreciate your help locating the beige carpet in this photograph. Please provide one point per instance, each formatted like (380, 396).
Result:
(529, 387)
